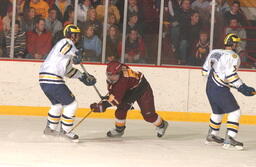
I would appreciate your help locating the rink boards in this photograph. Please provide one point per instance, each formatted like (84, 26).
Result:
(179, 92)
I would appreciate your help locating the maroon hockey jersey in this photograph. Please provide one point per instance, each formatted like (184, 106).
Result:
(130, 86)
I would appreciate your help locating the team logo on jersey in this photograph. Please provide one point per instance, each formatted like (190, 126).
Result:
(234, 56)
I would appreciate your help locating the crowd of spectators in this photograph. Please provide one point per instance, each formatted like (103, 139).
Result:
(39, 25)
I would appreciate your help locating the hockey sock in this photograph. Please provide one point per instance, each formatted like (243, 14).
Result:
(54, 116)
(68, 115)
(120, 125)
(159, 122)
(233, 123)
(120, 122)
(67, 122)
(215, 123)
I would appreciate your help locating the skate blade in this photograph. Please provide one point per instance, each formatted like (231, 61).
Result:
(232, 148)
(212, 143)
(51, 134)
(66, 139)
(114, 136)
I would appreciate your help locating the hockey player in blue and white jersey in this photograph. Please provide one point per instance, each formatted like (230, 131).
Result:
(58, 65)
(221, 67)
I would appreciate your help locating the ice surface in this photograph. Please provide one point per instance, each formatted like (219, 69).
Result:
(24, 145)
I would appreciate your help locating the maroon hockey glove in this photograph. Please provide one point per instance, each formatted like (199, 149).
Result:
(96, 107)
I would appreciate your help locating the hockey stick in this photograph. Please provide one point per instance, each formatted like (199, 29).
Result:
(81, 121)
(86, 73)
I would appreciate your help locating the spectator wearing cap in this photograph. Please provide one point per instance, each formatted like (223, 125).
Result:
(19, 41)
(51, 23)
(39, 41)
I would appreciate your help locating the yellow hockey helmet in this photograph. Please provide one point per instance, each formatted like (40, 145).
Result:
(71, 29)
(231, 39)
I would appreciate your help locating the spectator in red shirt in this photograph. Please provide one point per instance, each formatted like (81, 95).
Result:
(113, 39)
(39, 42)
(134, 48)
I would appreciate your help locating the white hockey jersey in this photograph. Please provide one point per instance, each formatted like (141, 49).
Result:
(223, 66)
(59, 63)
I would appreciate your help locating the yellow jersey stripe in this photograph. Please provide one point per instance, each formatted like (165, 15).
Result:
(54, 119)
(49, 77)
(232, 126)
(214, 126)
(67, 120)
(65, 49)
(233, 78)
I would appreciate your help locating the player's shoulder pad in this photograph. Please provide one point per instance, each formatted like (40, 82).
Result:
(234, 55)
(66, 47)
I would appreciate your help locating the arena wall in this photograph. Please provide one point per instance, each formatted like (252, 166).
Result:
(179, 92)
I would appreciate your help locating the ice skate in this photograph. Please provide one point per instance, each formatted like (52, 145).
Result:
(50, 132)
(160, 131)
(213, 139)
(231, 144)
(69, 135)
(117, 132)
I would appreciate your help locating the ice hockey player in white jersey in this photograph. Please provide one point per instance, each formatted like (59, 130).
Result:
(221, 67)
(58, 65)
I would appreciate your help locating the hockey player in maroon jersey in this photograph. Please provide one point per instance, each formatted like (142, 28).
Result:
(126, 86)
